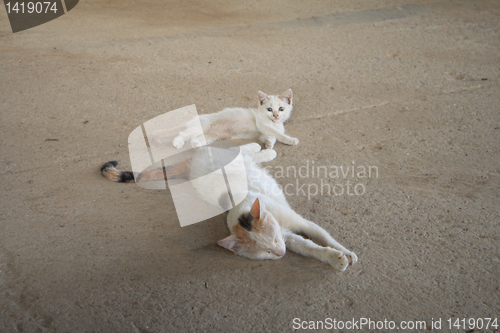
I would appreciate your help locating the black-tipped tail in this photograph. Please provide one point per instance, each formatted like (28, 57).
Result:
(109, 171)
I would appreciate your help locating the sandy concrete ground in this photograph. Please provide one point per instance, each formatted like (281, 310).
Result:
(413, 91)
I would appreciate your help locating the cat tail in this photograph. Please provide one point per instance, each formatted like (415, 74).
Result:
(180, 170)
(110, 172)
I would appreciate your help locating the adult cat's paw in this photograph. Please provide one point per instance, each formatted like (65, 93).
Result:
(338, 260)
(268, 155)
(178, 142)
(352, 258)
(293, 142)
(250, 148)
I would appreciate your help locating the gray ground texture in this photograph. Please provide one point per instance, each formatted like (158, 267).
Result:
(408, 86)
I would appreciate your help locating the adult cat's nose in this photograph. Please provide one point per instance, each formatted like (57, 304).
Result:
(280, 252)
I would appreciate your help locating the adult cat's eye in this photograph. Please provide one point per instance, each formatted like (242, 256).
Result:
(281, 109)
(276, 240)
(269, 251)
(270, 109)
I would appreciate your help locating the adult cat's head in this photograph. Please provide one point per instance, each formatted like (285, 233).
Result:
(276, 108)
(256, 236)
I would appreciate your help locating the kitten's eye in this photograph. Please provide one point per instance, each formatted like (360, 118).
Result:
(270, 109)
(269, 251)
(276, 240)
(281, 109)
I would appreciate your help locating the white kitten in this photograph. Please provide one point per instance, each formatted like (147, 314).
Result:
(263, 225)
(264, 123)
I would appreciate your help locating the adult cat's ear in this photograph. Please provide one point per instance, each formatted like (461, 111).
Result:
(262, 97)
(255, 211)
(232, 243)
(287, 96)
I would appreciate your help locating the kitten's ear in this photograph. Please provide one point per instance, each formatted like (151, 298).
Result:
(232, 243)
(262, 97)
(255, 211)
(287, 96)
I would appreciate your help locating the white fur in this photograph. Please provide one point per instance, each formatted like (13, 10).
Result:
(241, 123)
(283, 222)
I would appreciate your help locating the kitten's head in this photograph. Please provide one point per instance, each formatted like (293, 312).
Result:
(256, 236)
(276, 108)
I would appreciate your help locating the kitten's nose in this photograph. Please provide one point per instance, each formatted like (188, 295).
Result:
(276, 116)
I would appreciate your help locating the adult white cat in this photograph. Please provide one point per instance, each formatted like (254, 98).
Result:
(264, 123)
(263, 225)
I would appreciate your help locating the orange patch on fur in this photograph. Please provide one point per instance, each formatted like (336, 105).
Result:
(179, 170)
(113, 175)
(149, 175)
(176, 171)
(257, 225)
(242, 234)
(221, 129)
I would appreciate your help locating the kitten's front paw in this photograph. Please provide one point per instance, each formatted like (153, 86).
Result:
(178, 142)
(293, 142)
(338, 260)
